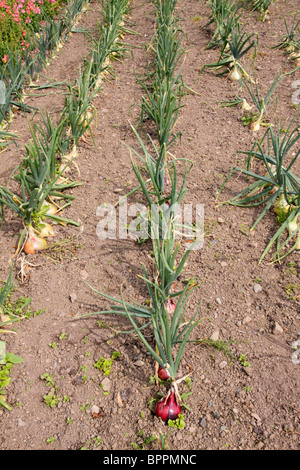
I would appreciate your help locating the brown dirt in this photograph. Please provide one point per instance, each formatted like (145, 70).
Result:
(230, 406)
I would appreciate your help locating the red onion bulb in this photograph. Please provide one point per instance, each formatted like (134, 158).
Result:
(168, 408)
(163, 374)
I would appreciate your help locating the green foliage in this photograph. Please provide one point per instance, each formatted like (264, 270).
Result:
(7, 360)
(105, 364)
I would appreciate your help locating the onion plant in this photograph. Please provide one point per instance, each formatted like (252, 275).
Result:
(41, 161)
(277, 187)
(7, 138)
(164, 316)
(69, 16)
(163, 84)
(170, 332)
(162, 107)
(290, 42)
(225, 18)
(261, 103)
(262, 6)
(109, 43)
(13, 75)
(38, 182)
(78, 108)
(233, 50)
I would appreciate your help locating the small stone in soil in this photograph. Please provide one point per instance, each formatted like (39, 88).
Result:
(277, 329)
(257, 288)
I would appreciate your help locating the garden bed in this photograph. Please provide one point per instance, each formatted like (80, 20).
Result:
(243, 387)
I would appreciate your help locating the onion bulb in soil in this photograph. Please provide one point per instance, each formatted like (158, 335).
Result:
(168, 407)
(293, 225)
(171, 306)
(52, 209)
(234, 74)
(46, 230)
(245, 105)
(297, 244)
(34, 243)
(163, 373)
(255, 126)
(281, 207)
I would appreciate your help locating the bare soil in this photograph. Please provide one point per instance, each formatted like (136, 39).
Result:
(242, 396)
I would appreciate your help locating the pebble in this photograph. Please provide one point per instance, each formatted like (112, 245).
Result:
(21, 423)
(106, 384)
(248, 371)
(203, 423)
(95, 409)
(222, 364)
(257, 288)
(119, 399)
(256, 417)
(84, 274)
(215, 335)
(73, 297)
(247, 320)
(218, 301)
(139, 363)
(277, 329)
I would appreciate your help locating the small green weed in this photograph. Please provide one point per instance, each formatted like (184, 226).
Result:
(291, 290)
(243, 361)
(7, 360)
(104, 364)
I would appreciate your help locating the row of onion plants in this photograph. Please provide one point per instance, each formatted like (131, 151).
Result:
(156, 170)
(42, 176)
(22, 66)
(277, 186)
